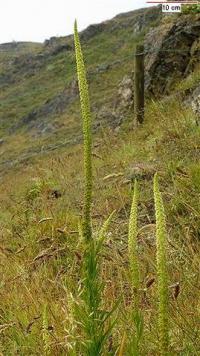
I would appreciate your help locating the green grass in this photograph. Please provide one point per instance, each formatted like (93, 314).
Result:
(41, 254)
(190, 81)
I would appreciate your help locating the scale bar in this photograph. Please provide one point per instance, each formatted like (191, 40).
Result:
(174, 2)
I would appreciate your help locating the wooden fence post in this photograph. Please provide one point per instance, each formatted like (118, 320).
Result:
(139, 84)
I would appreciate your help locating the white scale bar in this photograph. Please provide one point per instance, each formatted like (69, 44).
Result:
(171, 7)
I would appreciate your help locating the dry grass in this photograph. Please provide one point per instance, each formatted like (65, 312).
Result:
(41, 254)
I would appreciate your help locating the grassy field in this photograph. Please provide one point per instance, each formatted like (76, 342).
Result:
(41, 252)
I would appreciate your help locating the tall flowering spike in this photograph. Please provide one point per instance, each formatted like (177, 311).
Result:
(86, 116)
(132, 246)
(161, 241)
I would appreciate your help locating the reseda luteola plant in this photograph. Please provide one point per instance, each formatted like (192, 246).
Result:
(86, 117)
(132, 247)
(161, 242)
(91, 315)
(135, 274)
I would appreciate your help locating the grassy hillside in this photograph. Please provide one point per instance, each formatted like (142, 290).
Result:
(42, 198)
(31, 78)
(41, 252)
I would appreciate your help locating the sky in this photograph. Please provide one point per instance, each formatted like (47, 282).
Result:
(37, 20)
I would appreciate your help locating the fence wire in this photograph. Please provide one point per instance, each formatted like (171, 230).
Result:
(155, 50)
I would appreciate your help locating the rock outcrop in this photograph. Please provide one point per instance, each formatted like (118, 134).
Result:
(196, 101)
(125, 94)
(92, 31)
(172, 52)
(122, 102)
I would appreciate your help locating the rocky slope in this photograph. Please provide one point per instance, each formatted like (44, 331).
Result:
(173, 52)
(39, 106)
